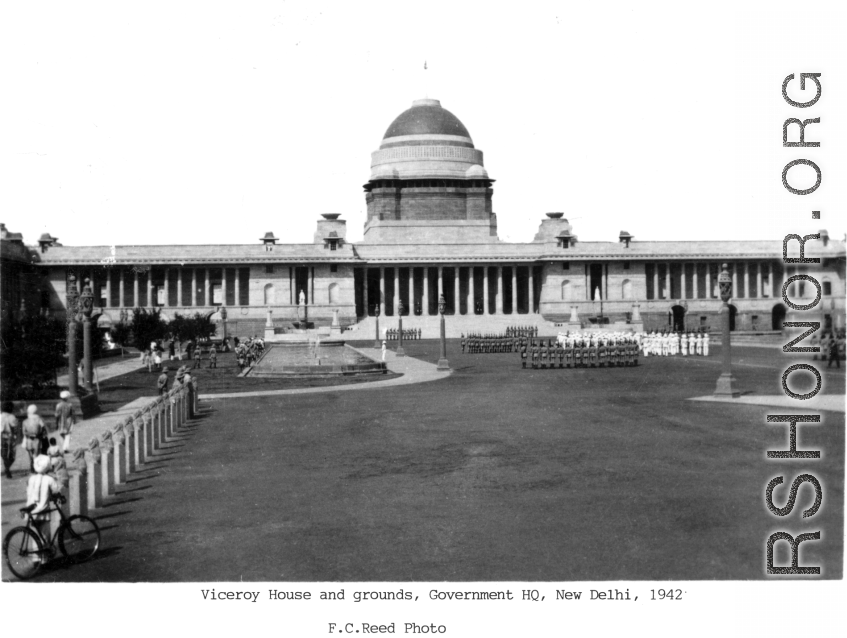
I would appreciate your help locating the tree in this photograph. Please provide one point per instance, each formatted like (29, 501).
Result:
(31, 350)
(147, 326)
(188, 328)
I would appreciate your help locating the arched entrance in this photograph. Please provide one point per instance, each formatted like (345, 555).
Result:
(678, 318)
(778, 316)
(733, 311)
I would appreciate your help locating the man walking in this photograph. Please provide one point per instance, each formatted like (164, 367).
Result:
(213, 357)
(65, 418)
(833, 353)
(162, 381)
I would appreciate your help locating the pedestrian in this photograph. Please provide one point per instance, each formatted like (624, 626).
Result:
(39, 490)
(833, 353)
(162, 382)
(179, 380)
(197, 360)
(9, 426)
(65, 418)
(213, 357)
(157, 359)
(171, 350)
(35, 434)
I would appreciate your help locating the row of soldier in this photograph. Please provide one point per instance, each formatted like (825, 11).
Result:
(670, 344)
(490, 343)
(409, 334)
(522, 331)
(579, 353)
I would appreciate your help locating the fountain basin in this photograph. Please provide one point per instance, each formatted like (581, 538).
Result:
(333, 358)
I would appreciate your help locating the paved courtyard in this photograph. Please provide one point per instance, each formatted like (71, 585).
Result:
(491, 473)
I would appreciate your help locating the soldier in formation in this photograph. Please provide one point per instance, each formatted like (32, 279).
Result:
(409, 334)
(668, 344)
(581, 350)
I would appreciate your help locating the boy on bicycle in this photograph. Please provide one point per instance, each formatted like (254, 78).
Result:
(39, 490)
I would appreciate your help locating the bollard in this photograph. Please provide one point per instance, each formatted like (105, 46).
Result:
(78, 485)
(119, 455)
(195, 399)
(147, 434)
(94, 470)
(107, 461)
(156, 425)
(172, 414)
(129, 445)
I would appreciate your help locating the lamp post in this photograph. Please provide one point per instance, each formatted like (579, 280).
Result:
(725, 382)
(72, 298)
(223, 322)
(86, 304)
(443, 365)
(400, 352)
(377, 344)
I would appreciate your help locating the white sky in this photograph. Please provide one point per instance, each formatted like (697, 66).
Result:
(214, 123)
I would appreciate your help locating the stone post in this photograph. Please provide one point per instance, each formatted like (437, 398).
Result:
(498, 303)
(78, 483)
(725, 384)
(139, 439)
(485, 290)
(119, 455)
(129, 445)
(148, 425)
(107, 461)
(95, 471)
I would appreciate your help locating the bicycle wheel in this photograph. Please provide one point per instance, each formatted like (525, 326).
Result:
(23, 550)
(79, 538)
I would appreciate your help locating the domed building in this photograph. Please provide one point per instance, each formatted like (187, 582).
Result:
(431, 230)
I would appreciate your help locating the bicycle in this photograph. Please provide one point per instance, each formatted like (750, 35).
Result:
(25, 548)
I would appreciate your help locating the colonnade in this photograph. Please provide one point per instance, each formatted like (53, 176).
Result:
(473, 292)
(744, 285)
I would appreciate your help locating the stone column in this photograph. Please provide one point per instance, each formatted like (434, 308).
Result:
(167, 287)
(682, 282)
(532, 289)
(694, 282)
(150, 301)
(425, 299)
(179, 286)
(395, 303)
(121, 290)
(193, 301)
(746, 279)
(440, 281)
(759, 280)
(118, 456)
(514, 289)
(135, 288)
(456, 285)
(108, 289)
(485, 290)
(770, 279)
(107, 462)
(238, 289)
(207, 284)
(472, 287)
(382, 291)
(498, 303)
(224, 287)
(669, 281)
(735, 294)
(130, 442)
(657, 292)
(709, 289)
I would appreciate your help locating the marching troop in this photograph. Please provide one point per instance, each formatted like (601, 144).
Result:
(586, 348)
(248, 351)
(393, 334)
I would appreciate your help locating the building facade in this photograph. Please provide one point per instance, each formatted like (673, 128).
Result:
(431, 230)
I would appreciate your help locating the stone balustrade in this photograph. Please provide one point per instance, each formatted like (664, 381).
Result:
(112, 456)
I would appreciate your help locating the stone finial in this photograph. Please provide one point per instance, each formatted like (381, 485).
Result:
(118, 433)
(78, 462)
(106, 442)
(94, 450)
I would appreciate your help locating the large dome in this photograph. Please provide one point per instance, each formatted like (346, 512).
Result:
(426, 117)
(426, 141)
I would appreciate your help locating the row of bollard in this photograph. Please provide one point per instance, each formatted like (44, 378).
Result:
(117, 453)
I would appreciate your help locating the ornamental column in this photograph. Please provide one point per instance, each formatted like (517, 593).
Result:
(382, 290)
(746, 280)
(770, 279)
(735, 278)
(709, 281)
(682, 282)
(759, 294)
(207, 296)
(456, 305)
(150, 302)
(485, 290)
(669, 281)
(135, 288)
(237, 288)
(395, 303)
(108, 288)
(193, 286)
